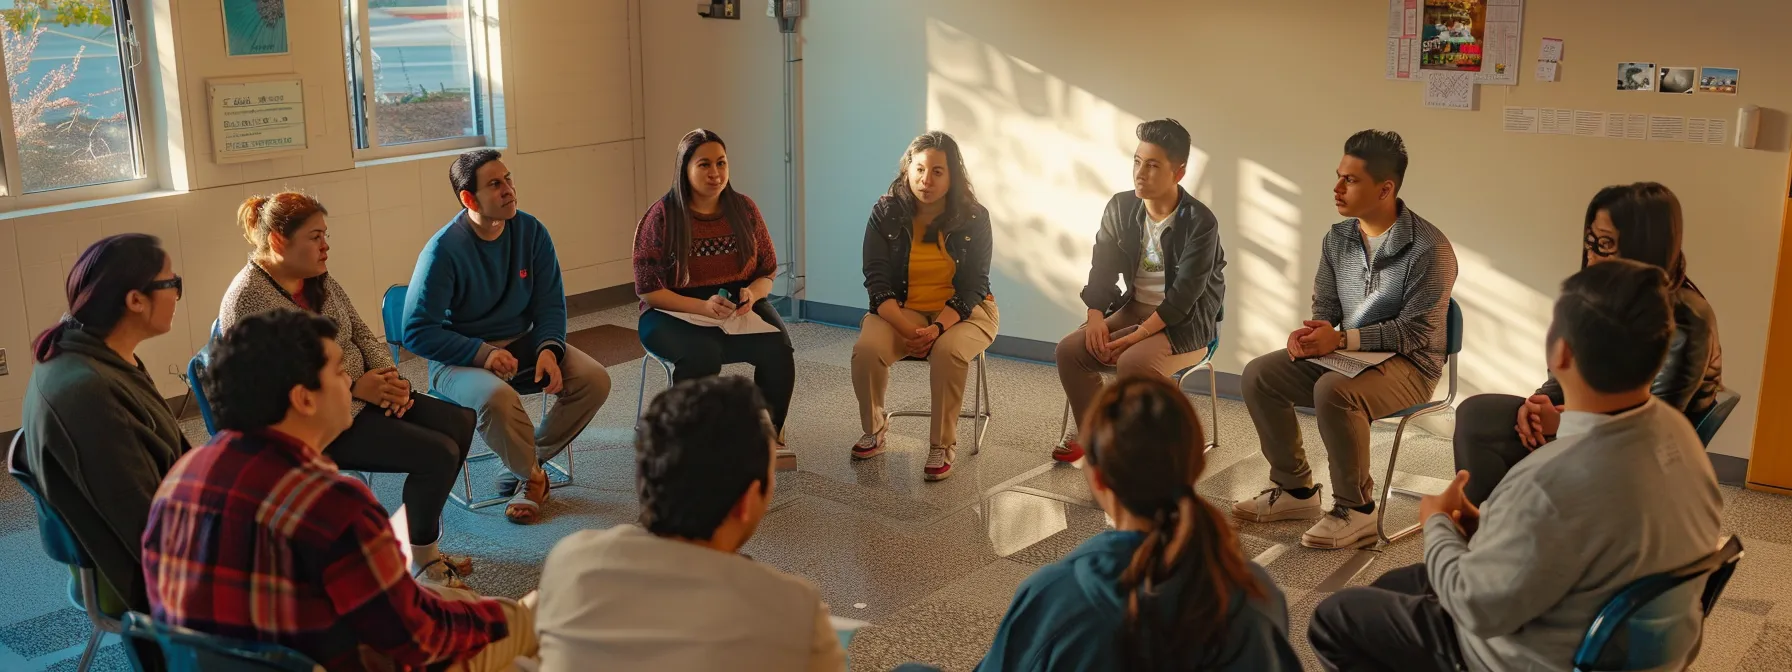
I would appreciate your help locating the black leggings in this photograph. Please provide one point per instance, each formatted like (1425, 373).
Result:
(428, 445)
(696, 351)
(1486, 442)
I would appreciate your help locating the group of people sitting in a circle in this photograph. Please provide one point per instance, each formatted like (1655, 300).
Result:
(1563, 498)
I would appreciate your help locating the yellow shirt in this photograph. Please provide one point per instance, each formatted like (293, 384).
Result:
(930, 272)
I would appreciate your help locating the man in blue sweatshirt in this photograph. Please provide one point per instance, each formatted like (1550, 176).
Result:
(487, 309)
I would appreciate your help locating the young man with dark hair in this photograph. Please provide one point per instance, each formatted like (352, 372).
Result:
(1626, 491)
(673, 592)
(257, 537)
(1383, 286)
(1165, 247)
(486, 307)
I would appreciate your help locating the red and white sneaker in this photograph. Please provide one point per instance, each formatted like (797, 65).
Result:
(1068, 451)
(939, 462)
(869, 446)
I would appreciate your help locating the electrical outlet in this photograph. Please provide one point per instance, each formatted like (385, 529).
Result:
(2, 361)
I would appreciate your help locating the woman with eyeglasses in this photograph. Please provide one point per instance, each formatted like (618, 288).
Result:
(396, 429)
(97, 435)
(1639, 222)
(1168, 588)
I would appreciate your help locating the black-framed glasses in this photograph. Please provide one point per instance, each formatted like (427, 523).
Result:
(1602, 246)
(171, 283)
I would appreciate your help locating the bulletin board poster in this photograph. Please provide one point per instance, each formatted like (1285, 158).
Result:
(257, 119)
(255, 27)
(1481, 37)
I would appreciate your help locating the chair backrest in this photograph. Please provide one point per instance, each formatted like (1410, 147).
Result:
(1633, 631)
(59, 541)
(191, 651)
(1727, 399)
(196, 370)
(1453, 331)
(392, 317)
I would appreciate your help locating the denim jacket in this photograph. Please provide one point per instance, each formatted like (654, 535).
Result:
(888, 237)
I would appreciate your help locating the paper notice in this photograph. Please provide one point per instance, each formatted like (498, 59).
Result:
(1552, 49)
(1546, 71)
(1664, 128)
(1403, 38)
(1716, 132)
(1521, 120)
(1696, 129)
(1636, 127)
(1554, 121)
(1615, 123)
(1588, 123)
(1500, 63)
(1450, 90)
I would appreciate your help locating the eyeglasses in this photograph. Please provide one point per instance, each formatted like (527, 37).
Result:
(171, 283)
(1601, 246)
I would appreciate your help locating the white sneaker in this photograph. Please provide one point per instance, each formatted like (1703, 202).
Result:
(1342, 527)
(1276, 504)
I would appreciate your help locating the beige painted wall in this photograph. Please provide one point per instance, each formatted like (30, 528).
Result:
(571, 86)
(1043, 95)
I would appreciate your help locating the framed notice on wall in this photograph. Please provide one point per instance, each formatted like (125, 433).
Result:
(256, 118)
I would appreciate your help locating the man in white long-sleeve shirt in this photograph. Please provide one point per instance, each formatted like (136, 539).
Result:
(1626, 491)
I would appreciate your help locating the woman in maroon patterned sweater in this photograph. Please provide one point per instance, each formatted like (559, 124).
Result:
(700, 239)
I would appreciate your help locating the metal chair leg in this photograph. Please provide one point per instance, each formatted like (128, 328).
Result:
(1381, 509)
(981, 407)
(1213, 406)
(93, 646)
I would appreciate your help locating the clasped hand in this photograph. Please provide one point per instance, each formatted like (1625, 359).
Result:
(385, 388)
(1453, 503)
(1315, 338)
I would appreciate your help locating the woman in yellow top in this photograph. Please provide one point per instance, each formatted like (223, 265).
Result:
(927, 252)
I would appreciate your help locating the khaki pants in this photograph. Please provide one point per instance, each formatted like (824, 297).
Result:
(1080, 372)
(500, 655)
(1274, 385)
(880, 346)
(503, 422)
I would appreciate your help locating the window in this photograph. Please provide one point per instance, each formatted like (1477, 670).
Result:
(413, 82)
(72, 78)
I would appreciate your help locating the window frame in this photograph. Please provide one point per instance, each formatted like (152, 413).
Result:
(364, 112)
(139, 117)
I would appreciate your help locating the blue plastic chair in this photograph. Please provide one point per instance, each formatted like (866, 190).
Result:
(1213, 388)
(190, 651)
(60, 544)
(195, 380)
(1453, 347)
(392, 318)
(1727, 399)
(1631, 631)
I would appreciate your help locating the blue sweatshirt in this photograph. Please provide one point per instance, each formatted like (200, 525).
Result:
(467, 291)
(1069, 614)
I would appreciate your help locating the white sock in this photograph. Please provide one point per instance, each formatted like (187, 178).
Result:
(422, 556)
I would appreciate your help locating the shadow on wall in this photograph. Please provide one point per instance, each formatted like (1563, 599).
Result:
(1047, 155)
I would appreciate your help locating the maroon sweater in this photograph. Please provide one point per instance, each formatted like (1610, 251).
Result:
(713, 261)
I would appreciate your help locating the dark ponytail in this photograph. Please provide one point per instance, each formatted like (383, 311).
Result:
(103, 278)
(1146, 441)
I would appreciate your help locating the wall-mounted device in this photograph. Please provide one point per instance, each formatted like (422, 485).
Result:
(1748, 126)
(727, 9)
(786, 12)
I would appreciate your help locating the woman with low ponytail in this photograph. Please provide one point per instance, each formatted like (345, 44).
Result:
(1168, 588)
(98, 436)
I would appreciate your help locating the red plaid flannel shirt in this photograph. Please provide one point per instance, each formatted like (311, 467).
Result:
(256, 536)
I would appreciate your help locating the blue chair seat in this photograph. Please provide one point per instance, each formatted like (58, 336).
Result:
(1633, 631)
(187, 650)
(1726, 402)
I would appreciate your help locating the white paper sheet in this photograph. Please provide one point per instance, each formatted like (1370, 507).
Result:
(1546, 71)
(735, 325)
(1500, 63)
(1555, 121)
(1663, 128)
(1717, 132)
(1636, 127)
(1616, 124)
(1551, 50)
(1450, 90)
(1588, 123)
(1696, 129)
(1403, 40)
(1352, 362)
(1521, 120)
